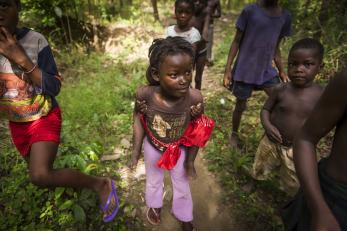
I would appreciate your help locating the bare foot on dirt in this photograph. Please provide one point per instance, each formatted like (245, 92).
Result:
(234, 141)
(190, 170)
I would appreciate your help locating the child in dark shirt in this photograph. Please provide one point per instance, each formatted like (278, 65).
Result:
(167, 129)
(29, 82)
(259, 30)
(286, 110)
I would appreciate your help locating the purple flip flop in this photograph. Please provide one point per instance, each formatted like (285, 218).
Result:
(104, 208)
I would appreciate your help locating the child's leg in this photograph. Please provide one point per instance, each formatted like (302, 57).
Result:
(288, 179)
(200, 64)
(182, 204)
(240, 107)
(42, 155)
(189, 162)
(154, 180)
(210, 43)
(266, 159)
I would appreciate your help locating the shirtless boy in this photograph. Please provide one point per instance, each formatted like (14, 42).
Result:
(286, 110)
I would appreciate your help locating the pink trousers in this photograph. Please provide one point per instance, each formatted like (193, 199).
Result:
(182, 204)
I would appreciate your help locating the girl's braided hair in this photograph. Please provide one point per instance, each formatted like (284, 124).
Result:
(161, 48)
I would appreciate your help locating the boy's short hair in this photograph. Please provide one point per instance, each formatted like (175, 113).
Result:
(161, 48)
(190, 2)
(309, 43)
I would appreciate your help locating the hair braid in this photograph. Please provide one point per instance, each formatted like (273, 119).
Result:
(161, 48)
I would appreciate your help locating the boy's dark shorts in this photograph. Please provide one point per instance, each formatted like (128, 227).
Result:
(243, 90)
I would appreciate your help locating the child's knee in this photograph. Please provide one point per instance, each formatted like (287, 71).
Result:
(39, 178)
(241, 105)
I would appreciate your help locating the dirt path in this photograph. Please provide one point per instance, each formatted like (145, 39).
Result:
(210, 211)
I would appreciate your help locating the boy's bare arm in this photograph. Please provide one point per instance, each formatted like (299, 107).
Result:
(278, 62)
(206, 25)
(329, 110)
(13, 51)
(138, 136)
(234, 49)
(270, 130)
(195, 47)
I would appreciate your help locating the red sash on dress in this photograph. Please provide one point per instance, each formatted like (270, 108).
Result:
(197, 133)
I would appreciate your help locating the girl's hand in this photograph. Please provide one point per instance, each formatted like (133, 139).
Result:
(196, 110)
(11, 49)
(141, 106)
(274, 134)
(132, 163)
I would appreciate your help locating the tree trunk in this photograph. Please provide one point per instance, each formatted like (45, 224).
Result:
(306, 6)
(322, 18)
(113, 8)
(155, 10)
(90, 7)
(229, 4)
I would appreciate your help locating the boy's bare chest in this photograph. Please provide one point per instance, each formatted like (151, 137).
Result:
(296, 104)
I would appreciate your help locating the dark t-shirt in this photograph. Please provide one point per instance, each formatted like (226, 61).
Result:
(261, 33)
(167, 124)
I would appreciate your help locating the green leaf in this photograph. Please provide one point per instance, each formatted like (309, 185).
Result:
(67, 204)
(79, 213)
(58, 192)
(89, 168)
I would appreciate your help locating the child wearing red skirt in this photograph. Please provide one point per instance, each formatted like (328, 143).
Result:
(29, 82)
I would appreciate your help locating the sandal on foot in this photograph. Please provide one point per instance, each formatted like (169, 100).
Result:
(105, 208)
(156, 215)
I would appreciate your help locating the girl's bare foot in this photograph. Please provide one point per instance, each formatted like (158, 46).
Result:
(234, 141)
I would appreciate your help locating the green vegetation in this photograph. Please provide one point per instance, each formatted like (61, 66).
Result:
(96, 101)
